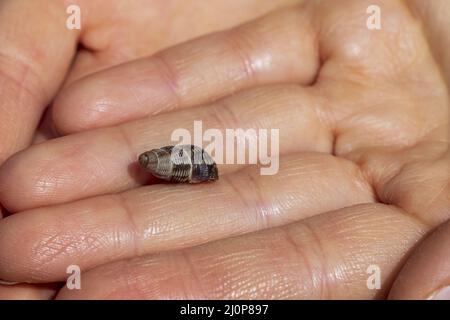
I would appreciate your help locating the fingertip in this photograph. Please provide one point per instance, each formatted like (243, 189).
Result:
(10, 241)
(43, 251)
(78, 108)
(12, 183)
(29, 178)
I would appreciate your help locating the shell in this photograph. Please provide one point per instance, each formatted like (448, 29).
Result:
(181, 163)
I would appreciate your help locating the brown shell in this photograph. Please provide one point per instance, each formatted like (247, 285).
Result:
(181, 163)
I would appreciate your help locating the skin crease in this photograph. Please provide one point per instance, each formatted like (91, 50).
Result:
(380, 113)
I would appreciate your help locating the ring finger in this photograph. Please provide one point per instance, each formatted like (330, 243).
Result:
(103, 161)
(156, 218)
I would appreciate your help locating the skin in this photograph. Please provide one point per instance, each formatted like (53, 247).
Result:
(426, 260)
(364, 158)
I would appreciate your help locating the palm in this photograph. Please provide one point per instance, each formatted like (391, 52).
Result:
(363, 118)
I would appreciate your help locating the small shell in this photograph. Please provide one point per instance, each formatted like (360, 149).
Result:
(181, 163)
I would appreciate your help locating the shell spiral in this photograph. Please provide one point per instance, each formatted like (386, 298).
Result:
(181, 163)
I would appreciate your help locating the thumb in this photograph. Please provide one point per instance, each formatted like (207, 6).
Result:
(426, 274)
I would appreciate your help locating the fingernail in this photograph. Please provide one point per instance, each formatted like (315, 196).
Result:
(441, 294)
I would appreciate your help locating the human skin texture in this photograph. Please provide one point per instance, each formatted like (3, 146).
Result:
(364, 158)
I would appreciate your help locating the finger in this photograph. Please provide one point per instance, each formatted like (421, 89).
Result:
(323, 257)
(104, 160)
(36, 54)
(144, 32)
(426, 275)
(161, 217)
(28, 292)
(195, 72)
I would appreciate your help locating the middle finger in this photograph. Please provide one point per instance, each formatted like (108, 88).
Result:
(104, 160)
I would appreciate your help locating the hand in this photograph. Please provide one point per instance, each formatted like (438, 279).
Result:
(39, 53)
(36, 58)
(364, 141)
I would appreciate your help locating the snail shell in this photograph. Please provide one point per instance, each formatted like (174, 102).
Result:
(181, 163)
